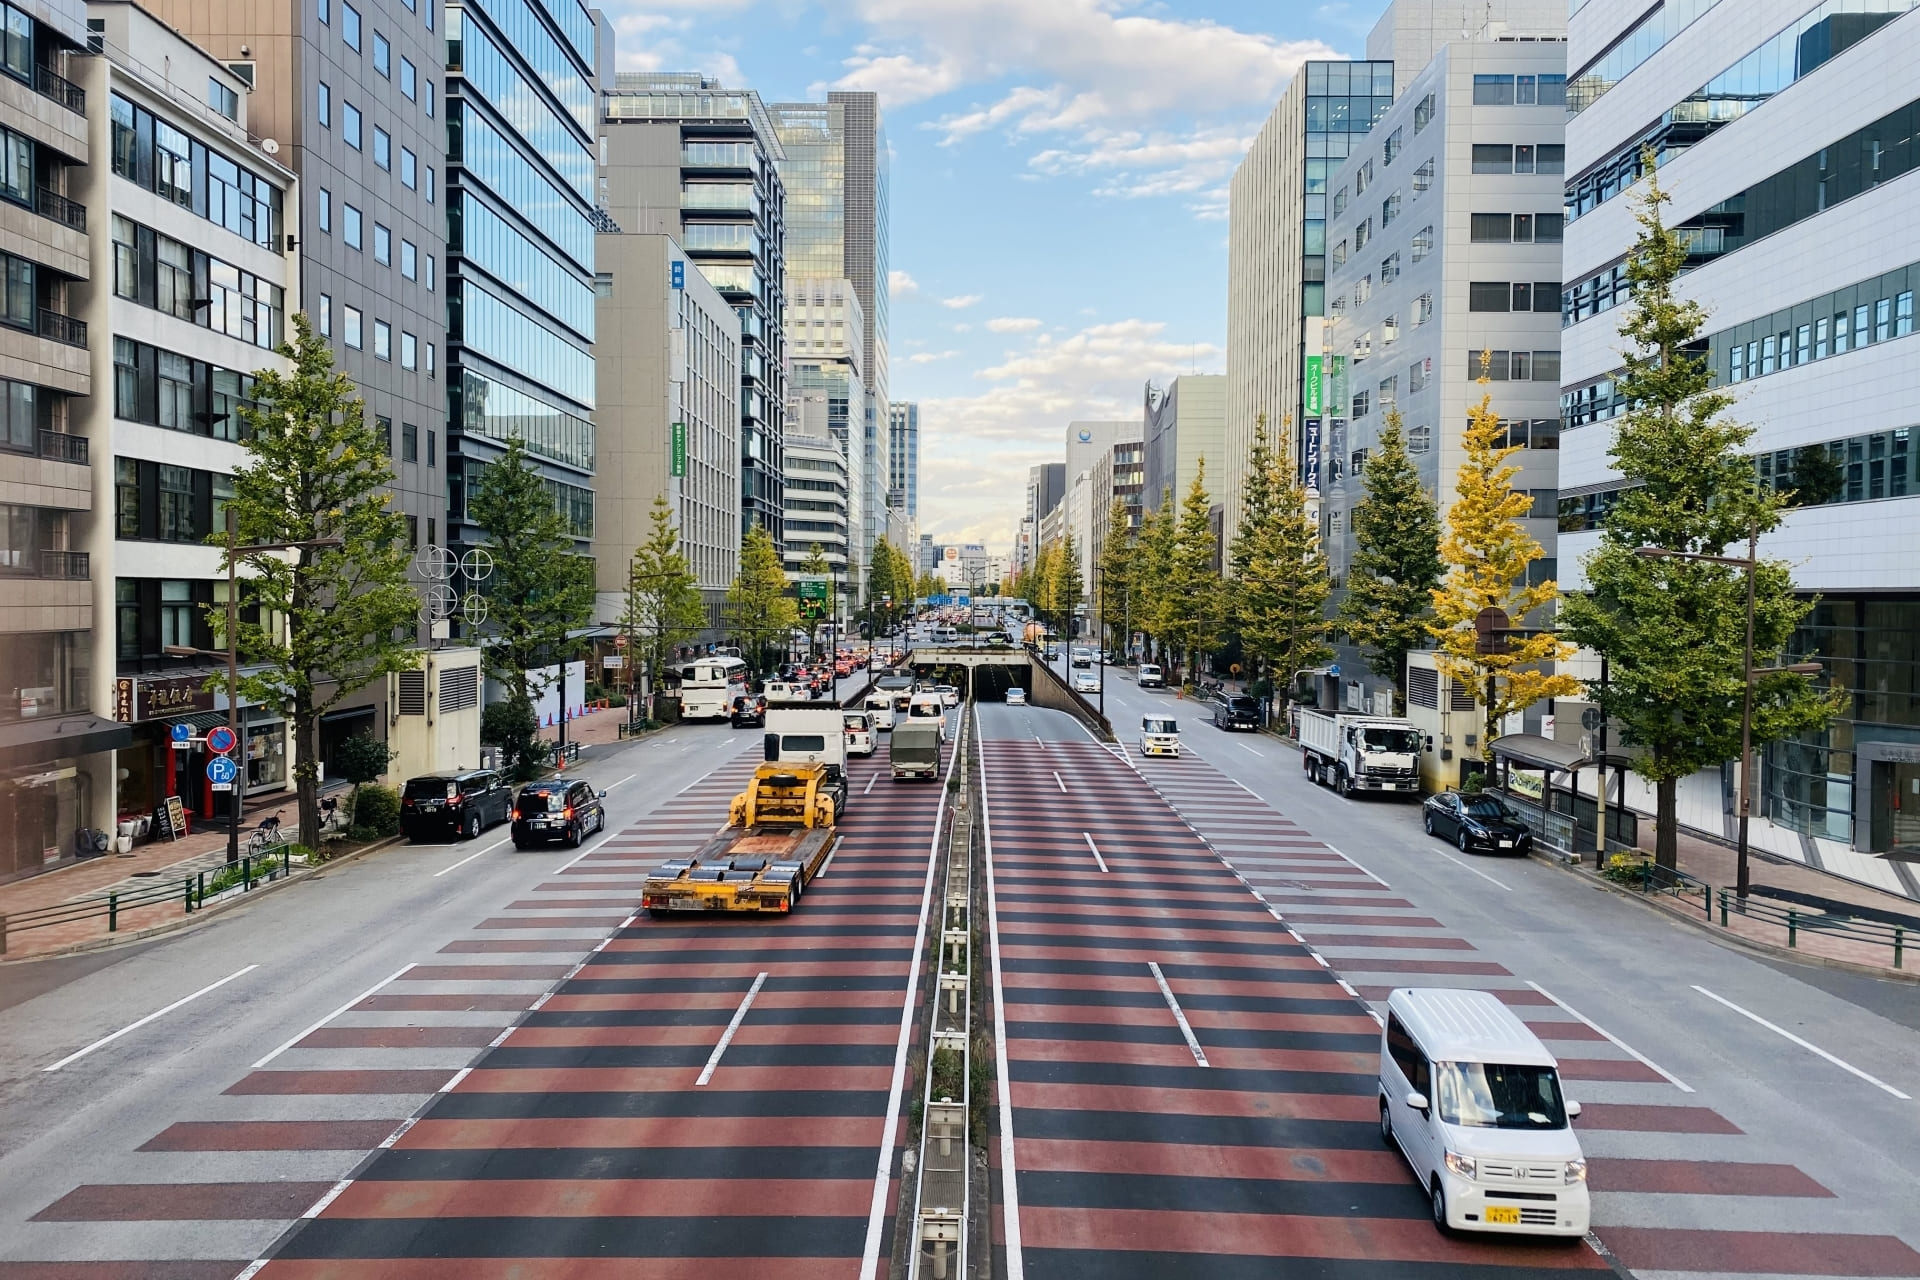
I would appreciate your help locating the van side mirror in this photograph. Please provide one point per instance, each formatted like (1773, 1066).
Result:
(772, 751)
(600, 795)
(1573, 1109)
(1418, 1101)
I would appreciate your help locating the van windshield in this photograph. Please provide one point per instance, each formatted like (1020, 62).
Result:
(1160, 726)
(1485, 1095)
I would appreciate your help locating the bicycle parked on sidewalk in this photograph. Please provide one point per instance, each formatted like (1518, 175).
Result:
(265, 836)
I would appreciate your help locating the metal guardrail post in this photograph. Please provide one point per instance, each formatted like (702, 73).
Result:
(1793, 927)
(3, 935)
(1706, 900)
(246, 873)
(186, 892)
(286, 860)
(1723, 908)
(113, 913)
(201, 890)
(1899, 940)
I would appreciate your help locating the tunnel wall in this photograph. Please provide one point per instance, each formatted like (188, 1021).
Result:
(1048, 690)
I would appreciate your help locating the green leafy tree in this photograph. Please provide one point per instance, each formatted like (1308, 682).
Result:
(759, 609)
(541, 588)
(1281, 581)
(1193, 589)
(816, 566)
(1396, 561)
(1674, 630)
(360, 758)
(1158, 532)
(1817, 476)
(330, 619)
(890, 585)
(664, 606)
(1487, 552)
(511, 725)
(1118, 569)
(927, 585)
(1070, 586)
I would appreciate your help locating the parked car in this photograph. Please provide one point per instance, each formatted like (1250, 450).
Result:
(749, 710)
(457, 805)
(1016, 697)
(1236, 711)
(1476, 822)
(558, 809)
(1151, 677)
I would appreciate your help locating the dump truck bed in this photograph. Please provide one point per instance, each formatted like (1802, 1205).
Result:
(756, 869)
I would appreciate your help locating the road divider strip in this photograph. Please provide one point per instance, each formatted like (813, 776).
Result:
(1009, 1180)
(392, 977)
(155, 1016)
(1616, 1041)
(1808, 1045)
(726, 1037)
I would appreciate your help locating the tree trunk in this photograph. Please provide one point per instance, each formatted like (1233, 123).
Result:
(1666, 824)
(306, 774)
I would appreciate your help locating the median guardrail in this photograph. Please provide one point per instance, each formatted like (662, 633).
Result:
(190, 891)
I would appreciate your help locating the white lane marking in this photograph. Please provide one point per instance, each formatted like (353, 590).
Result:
(1810, 1047)
(106, 1040)
(604, 837)
(1096, 850)
(386, 1143)
(629, 778)
(334, 1194)
(1009, 1174)
(1477, 871)
(1179, 1016)
(1244, 747)
(329, 1018)
(1362, 870)
(454, 1082)
(883, 1172)
(469, 858)
(1244, 787)
(726, 1037)
(1616, 1041)
(1056, 778)
(870, 781)
(831, 855)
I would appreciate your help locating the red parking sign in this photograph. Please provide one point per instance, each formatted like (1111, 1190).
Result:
(220, 739)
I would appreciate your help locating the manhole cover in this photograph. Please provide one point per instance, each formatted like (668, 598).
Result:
(141, 874)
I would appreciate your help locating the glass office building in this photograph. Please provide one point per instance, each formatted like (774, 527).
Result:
(903, 457)
(521, 109)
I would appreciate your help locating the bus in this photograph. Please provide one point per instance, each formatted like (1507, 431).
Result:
(709, 685)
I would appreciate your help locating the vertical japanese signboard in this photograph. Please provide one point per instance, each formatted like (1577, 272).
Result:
(679, 447)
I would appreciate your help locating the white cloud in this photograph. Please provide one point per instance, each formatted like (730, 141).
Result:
(961, 302)
(971, 445)
(929, 357)
(900, 285)
(1013, 324)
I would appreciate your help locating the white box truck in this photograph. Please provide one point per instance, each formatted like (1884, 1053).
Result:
(1361, 753)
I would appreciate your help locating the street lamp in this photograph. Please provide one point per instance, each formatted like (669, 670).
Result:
(232, 654)
(1747, 564)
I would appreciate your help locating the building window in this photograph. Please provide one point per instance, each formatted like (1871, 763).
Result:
(1390, 268)
(431, 439)
(1492, 158)
(1340, 254)
(429, 359)
(351, 325)
(1362, 176)
(126, 497)
(1417, 377)
(1422, 114)
(1422, 309)
(1362, 231)
(350, 220)
(409, 442)
(409, 170)
(1392, 148)
(427, 185)
(407, 84)
(350, 124)
(1389, 209)
(1483, 295)
(409, 351)
(1493, 91)
(326, 211)
(1420, 440)
(326, 105)
(1389, 393)
(382, 340)
(326, 315)
(382, 55)
(350, 26)
(1362, 404)
(1423, 177)
(382, 245)
(382, 148)
(1422, 243)
(1339, 202)
(176, 613)
(409, 260)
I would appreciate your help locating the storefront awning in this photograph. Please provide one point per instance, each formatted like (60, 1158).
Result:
(43, 739)
(1531, 751)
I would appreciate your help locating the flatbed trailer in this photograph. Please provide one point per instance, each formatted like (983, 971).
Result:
(763, 869)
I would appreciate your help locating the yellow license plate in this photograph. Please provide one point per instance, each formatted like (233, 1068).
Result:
(1502, 1216)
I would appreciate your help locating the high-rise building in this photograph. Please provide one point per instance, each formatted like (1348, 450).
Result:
(1785, 139)
(522, 108)
(903, 457)
(688, 157)
(1444, 234)
(350, 91)
(823, 325)
(818, 511)
(835, 173)
(1185, 429)
(667, 415)
(1277, 264)
(1088, 442)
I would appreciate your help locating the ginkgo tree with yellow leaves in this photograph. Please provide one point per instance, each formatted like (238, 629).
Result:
(1479, 607)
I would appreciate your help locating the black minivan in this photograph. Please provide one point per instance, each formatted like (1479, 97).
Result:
(1236, 711)
(458, 805)
(557, 809)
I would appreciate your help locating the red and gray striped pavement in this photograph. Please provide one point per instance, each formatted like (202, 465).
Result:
(1134, 1158)
(1678, 1189)
(525, 1102)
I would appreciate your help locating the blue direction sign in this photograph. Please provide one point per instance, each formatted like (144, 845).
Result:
(182, 736)
(221, 772)
(220, 739)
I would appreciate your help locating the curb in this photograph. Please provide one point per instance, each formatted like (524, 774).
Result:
(1752, 946)
(204, 914)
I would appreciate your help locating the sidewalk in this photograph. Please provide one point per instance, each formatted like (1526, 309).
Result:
(594, 729)
(154, 863)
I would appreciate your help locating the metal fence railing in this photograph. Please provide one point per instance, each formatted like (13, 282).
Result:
(1796, 920)
(191, 892)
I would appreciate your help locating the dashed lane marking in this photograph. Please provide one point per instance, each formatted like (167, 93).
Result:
(726, 1037)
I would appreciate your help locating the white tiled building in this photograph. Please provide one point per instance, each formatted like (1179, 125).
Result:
(1786, 137)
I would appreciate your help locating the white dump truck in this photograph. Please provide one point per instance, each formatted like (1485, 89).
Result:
(1361, 753)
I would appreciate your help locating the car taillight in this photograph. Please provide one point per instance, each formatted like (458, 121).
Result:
(455, 799)
(516, 815)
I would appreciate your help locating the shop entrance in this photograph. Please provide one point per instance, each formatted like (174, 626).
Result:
(1896, 806)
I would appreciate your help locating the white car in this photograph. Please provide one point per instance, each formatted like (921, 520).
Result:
(1151, 677)
(949, 695)
(1016, 697)
(1086, 682)
(1159, 736)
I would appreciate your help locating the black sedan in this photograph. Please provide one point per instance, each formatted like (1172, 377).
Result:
(1236, 711)
(1476, 822)
(559, 809)
(749, 710)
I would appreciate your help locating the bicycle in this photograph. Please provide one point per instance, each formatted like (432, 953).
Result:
(265, 836)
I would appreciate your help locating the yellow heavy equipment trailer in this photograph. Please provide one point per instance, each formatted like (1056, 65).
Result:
(778, 835)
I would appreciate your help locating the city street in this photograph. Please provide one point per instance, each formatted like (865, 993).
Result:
(1720, 1144)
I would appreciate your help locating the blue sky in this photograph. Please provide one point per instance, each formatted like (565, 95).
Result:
(1059, 193)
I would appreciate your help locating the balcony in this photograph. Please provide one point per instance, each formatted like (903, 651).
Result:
(66, 566)
(51, 84)
(59, 446)
(68, 213)
(60, 328)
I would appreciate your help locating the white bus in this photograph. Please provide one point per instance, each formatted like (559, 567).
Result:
(709, 685)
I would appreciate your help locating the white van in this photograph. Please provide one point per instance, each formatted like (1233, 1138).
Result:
(860, 736)
(1473, 1100)
(879, 709)
(928, 705)
(1159, 736)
